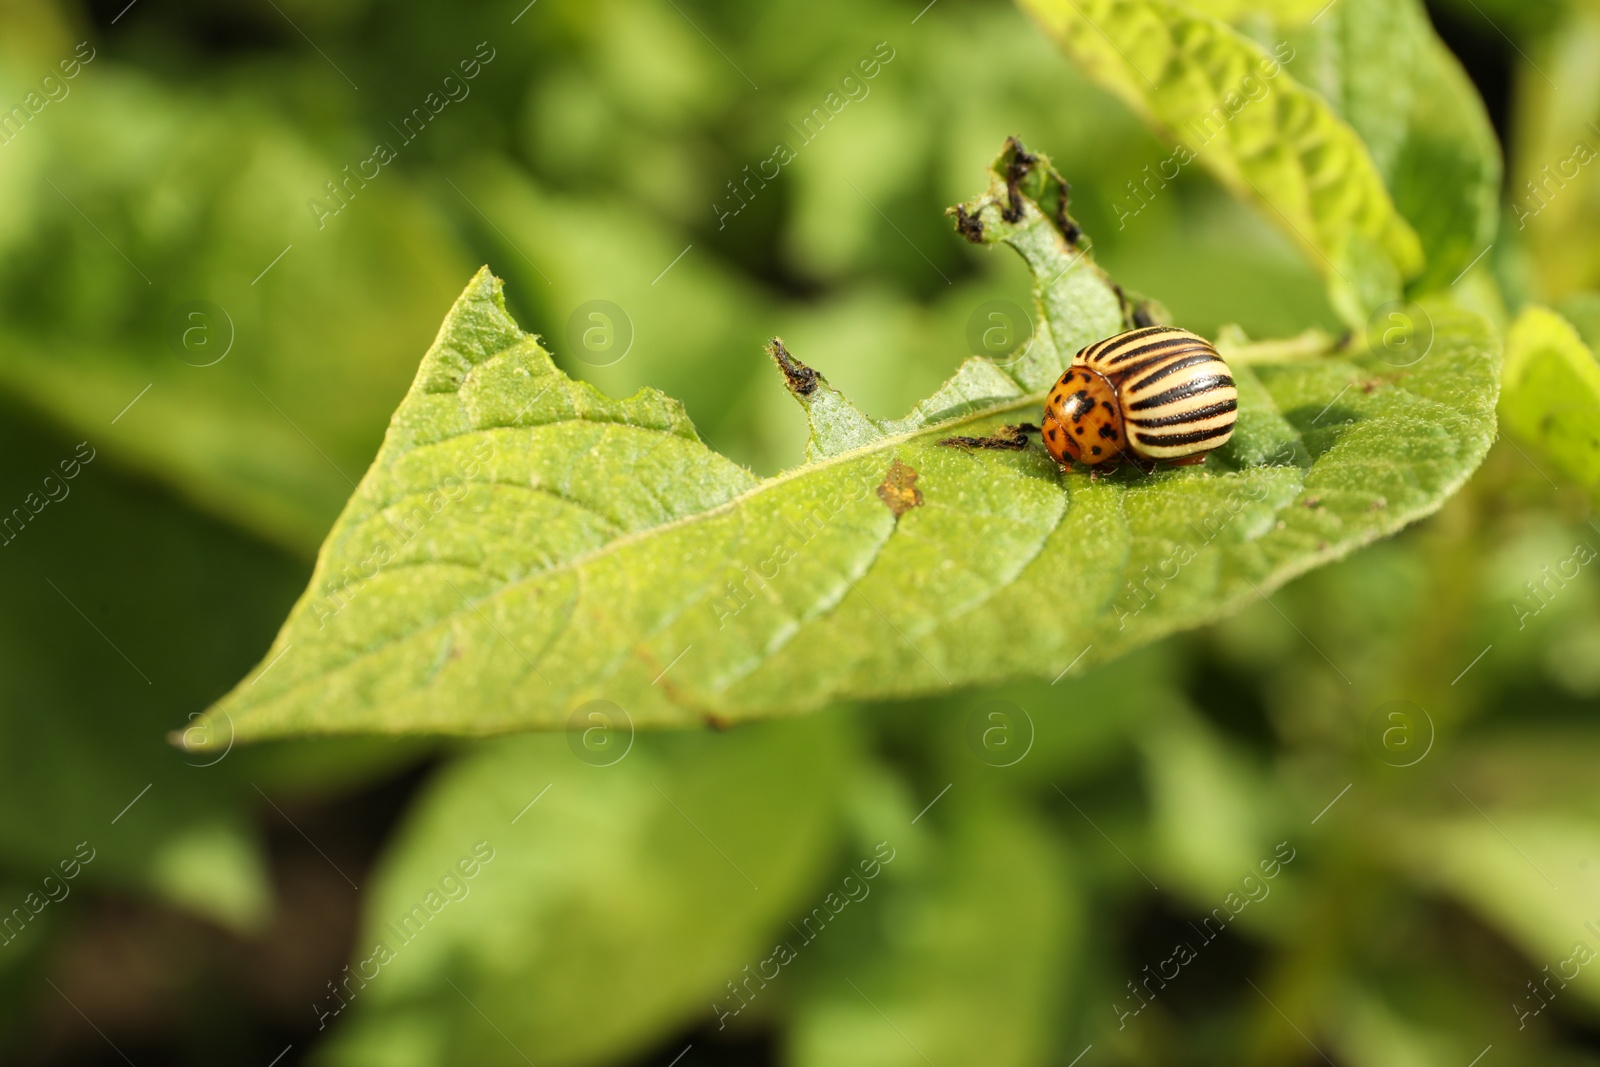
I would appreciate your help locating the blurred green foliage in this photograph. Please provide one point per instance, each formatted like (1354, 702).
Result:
(1446, 848)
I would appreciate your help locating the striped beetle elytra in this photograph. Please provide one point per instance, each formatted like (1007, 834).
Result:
(1158, 393)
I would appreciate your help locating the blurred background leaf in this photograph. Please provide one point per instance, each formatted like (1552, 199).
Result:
(1552, 394)
(1227, 103)
(656, 878)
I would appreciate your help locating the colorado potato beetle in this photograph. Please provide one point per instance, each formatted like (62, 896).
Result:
(1159, 393)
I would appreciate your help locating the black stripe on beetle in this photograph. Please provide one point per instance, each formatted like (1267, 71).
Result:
(1121, 358)
(1183, 417)
(1192, 387)
(1171, 368)
(1168, 440)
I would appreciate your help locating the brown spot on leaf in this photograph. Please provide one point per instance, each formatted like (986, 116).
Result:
(969, 226)
(801, 379)
(1022, 162)
(899, 490)
(1005, 439)
(1311, 502)
(1069, 229)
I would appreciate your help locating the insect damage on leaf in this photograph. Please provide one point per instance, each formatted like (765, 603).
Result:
(801, 379)
(1026, 178)
(968, 226)
(1017, 168)
(1005, 439)
(898, 490)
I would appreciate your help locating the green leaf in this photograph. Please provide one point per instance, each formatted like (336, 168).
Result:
(524, 544)
(1582, 310)
(1206, 807)
(144, 301)
(644, 885)
(1287, 11)
(1510, 867)
(1552, 394)
(961, 958)
(1230, 106)
(119, 605)
(116, 606)
(591, 248)
(1382, 68)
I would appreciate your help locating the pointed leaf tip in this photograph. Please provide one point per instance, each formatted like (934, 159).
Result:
(801, 379)
(837, 425)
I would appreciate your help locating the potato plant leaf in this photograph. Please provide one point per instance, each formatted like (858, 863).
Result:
(1288, 11)
(966, 954)
(524, 544)
(256, 393)
(1381, 67)
(1230, 106)
(554, 922)
(1552, 394)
